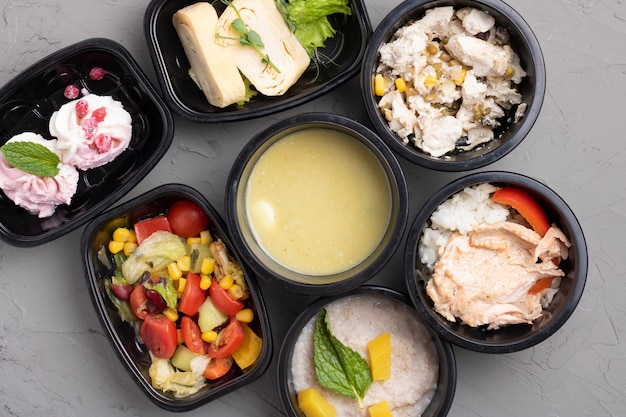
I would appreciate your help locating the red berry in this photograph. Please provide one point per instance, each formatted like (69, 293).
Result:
(103, 143)
(90, 126)
(82, 108)
(97, 73)
(71, 92)
(99, 113)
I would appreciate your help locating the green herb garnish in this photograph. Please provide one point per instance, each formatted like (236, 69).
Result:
(338, 367)
(31, 157)
(248, 37)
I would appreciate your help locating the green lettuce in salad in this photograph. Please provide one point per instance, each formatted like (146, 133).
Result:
(309, 22)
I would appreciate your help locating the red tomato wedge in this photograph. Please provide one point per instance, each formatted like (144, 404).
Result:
(192, 337)
(193, 296)
(159, 335)
(525, 205)
(218, 367)
(187, 219)
(228, 340)
(139, 302)
(222, 300)
(145, 228)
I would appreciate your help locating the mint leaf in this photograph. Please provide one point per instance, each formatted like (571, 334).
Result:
(31, 157)
(338, 367)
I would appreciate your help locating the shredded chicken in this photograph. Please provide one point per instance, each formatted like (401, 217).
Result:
(226, 265)
(484, 277)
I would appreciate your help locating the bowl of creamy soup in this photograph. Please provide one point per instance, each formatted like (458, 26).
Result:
(496, 262)
(453, 85)
(318, 203)
(398, 364)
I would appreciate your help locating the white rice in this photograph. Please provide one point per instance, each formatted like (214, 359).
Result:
(459, 214)
(357, 320)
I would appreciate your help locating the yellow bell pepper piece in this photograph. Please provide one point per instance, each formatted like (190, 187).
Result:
(313, 404)
(379, 350)
(249, 350)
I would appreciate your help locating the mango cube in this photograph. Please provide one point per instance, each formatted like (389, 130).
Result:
(313, 404)
(380, 356)
(380, 410)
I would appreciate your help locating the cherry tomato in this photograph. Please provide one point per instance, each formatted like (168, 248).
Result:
(222, 300)
(159, 335)
(228, 340)
(218, 367)
(525, 205)
(193, 296)
(187, 219)
(139, 302)
(192, 335)
(145, 228)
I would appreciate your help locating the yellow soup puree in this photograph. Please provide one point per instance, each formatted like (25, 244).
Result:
(318, 201)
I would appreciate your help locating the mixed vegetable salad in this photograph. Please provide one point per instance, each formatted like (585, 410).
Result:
(186, 297)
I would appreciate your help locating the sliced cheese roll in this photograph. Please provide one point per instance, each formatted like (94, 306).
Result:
(214, 68)
(281, 46)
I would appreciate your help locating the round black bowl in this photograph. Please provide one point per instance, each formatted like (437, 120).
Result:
(514, 337)
(444, 393)
(507, 136)
(275, 273)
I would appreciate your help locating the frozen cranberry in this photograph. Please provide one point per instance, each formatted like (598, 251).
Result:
(90, 126)
(71, 92)
(99, 113)
(82, 108)
(97, 73)
(103, 143)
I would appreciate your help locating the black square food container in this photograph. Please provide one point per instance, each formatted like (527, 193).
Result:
(28, 101)
(122, 335)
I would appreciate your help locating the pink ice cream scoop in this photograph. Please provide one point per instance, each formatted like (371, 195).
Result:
(91, 131)
(38, 195)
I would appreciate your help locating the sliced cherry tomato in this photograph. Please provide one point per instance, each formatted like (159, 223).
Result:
(218, 367)
(222, 300)
(228, 340)
(145, 228)
(187, 219)
(525, 205)
(159, 335)
(193, 296)
(540, 285)
(139, 302)
(192, 335)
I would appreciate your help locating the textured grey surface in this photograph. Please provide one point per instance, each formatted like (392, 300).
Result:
(56, 361)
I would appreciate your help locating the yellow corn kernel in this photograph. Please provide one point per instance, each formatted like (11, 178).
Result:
(184, 263)
(432, 49)
(179, 337)
(170, 314)
(174, 271)
(129, 247)
(400, 84)
(121, 234)
(379, 85)
(209, 336)
(245, 315)
(132, 236)
(205, 237)
(227, 282)
(509, 72)
(205, 281)
(208, 266)
(461, 78)
(181, 284)
(192, 240)
(115, 246)
(235, 291)
(431, 81)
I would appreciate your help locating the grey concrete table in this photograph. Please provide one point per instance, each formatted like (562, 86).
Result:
(55, 359)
